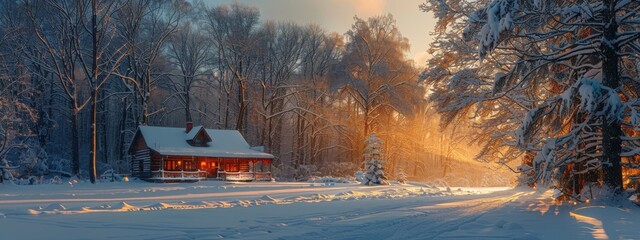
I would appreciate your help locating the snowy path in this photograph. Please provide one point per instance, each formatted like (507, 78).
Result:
(213, 210)
(420, 218)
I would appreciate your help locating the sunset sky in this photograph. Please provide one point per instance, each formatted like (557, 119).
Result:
(337, 16)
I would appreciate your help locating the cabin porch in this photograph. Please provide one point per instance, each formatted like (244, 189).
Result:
(191, 168)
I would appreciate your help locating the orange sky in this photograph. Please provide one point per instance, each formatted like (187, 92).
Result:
(337, 16)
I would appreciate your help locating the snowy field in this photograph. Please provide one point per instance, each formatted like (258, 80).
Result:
(214, 210)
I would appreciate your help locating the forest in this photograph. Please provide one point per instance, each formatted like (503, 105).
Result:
(544, 90)
(79, 77)
(319, 119)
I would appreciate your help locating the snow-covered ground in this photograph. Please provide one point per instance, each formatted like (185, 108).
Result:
(212, 210)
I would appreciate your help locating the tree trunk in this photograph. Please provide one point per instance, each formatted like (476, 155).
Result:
(187, 99)
(240, 120)
(123, 127)
(146, 86)
(102, 119)
(145, 112)
(611, 142)
(75, 144)
(93, 141)
(94, 93)
(226, 110)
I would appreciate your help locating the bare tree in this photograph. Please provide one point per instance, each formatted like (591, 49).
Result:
(375, 72)
(60, 41)
(189, 49)
(146, 26)
(234, 29)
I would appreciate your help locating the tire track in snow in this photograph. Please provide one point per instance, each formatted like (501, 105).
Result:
(476, 209)
(417, 221)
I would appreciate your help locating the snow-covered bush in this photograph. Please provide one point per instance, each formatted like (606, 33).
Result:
(33, 162)
(110, 176)
(7, 172)
(525, 178)
(55, 180)
(119, 166)
(287, 172)
(59, 165)
(328, 179)
(374, 172)
(31, 180)
(291, 173)
(359, 176)
(342, 169)
(401, 176)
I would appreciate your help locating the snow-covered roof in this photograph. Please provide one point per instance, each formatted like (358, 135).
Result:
(191, 134)
(172, 141)
(194, 133)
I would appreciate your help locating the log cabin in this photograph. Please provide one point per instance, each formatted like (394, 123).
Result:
(167, 154)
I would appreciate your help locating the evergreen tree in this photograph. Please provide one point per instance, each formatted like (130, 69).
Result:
(374, 172)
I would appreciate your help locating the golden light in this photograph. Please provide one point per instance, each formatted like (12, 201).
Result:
(597, 229)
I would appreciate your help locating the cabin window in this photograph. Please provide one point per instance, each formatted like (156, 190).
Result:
(206, 165)
(190, 166)
(232, 165)
(203, 165)
(173, 165)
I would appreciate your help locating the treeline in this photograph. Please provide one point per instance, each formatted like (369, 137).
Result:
(79, 76)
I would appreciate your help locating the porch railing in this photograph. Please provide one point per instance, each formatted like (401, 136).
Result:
(202, 175)
(179, 175)
(263, 176)
(245, 176)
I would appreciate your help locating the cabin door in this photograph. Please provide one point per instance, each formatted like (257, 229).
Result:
(210, 167)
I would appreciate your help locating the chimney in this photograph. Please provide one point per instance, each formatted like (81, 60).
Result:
(189, 126)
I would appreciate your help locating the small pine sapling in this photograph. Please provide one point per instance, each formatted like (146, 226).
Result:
(401, 176)
(374, 172)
